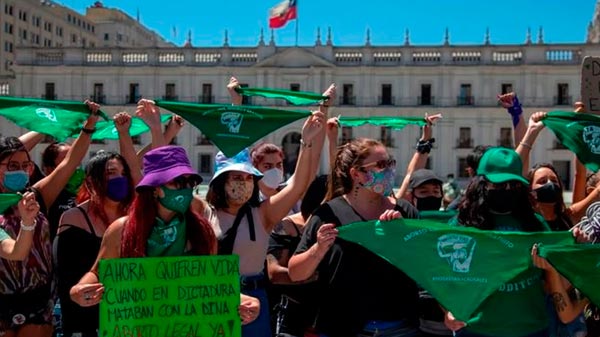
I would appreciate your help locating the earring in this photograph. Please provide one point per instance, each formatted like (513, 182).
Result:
(355, 191)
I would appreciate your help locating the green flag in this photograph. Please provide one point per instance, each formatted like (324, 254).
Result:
(580, 264)
(438, 216)
(59, 119)
(233, 128)
(460, 267)
(294, 97)
(396, 123)
(579, 132)
(107, 129)
(8, 200)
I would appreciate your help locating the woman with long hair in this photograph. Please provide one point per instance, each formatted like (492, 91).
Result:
(159, 223)
(498, 198)
(360, 293)
(106, 195)
(26, 292)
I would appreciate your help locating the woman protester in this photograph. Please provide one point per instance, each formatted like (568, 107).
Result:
(243, 223)
(26, 291)
(105, 196)
(359, 293)
(160, 208)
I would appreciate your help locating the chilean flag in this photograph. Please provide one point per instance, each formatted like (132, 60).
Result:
(282, 13)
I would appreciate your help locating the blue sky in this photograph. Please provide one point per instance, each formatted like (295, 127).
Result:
(467, 20)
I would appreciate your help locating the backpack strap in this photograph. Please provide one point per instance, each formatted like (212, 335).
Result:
(227, 241)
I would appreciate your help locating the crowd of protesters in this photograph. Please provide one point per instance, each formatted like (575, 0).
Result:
(297, 278)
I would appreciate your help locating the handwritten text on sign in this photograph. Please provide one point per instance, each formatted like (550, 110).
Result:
(170, 297)
(590, 84)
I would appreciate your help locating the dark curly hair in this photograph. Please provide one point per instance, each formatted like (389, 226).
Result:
(475, 212)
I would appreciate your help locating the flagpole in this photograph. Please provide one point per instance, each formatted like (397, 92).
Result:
(296, 29)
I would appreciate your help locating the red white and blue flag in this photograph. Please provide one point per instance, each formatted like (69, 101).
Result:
(282, 13)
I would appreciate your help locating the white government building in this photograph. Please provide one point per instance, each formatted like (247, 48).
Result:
(459, 81)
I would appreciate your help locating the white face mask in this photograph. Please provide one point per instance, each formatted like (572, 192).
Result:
(272, 178)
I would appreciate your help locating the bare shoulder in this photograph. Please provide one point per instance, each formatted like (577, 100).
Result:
(73, 217)
(115, 230)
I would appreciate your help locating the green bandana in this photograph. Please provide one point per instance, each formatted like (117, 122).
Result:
(167, 239)
(75, 181)
(580, 264)
(107, 129)
(579, 132)
(396, 123)
(438, 216)
(233, 128)
(459, 266)
(8, 200)
(59, 119)
(294, 97)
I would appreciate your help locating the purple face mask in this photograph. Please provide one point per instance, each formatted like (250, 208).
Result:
(117, 188)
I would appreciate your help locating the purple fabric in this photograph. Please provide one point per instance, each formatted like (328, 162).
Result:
(164, 164)
(515, 111)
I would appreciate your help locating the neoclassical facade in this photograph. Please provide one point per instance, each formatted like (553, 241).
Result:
(459, 81)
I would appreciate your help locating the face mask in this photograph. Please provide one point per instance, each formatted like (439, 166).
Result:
(117, 188)
(501, 201)
(176, 200)
(272, 178)
(239, 192)
(15, 181)
(75, 181)
(549, 192)
(428, 203)
(381, 182)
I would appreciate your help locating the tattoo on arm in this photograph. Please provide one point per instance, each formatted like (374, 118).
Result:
(559, 302)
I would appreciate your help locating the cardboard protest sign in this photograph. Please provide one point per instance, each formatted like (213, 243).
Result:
(590, 84)
(193, 296)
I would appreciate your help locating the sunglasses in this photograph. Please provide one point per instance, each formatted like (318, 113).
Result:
(185, 182)
(380, 164)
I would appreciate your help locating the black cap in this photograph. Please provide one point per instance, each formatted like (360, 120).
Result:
(422, 176)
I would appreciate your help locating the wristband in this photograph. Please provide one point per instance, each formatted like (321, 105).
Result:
(304, 144)
(515, 111)
(88, 131)
(29, 228)
(424, 146)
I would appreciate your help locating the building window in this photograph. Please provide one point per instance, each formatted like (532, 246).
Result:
(4, 89)
(295, 87)
(22, 15)
(205, 163)
(464, 138)
(59, 31)
(8, 9)
(506, 88)
(170, 93)
(348, 97)
(563, 168)
(207, 96)
(49, 92)
(98, 95)
(562, 97)
(74, 38)
(462, 168)
(346, 134)
(203, 140)
(8, 47)
(106, 37)
(8, 28)
(505, 138)
(386, 136)
(465, 95)
(386, 97)
(137, 140)
(134, 93)
(425, 98)
(24, 34)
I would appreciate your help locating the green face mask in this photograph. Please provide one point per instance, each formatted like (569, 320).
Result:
(75, 181)
(176, 200)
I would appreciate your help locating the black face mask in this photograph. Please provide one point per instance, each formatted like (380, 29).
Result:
(428, 203)
(501, 200)
(549, 192)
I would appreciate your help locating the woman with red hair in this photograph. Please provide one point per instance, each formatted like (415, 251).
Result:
(159, 223)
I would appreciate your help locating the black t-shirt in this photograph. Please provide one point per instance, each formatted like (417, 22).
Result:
(356, 285)
(64, 201)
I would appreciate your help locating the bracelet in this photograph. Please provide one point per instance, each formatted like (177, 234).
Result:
(88, 131)
(525, 145)
(304, 144)
(424, 146)
(29, 228)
